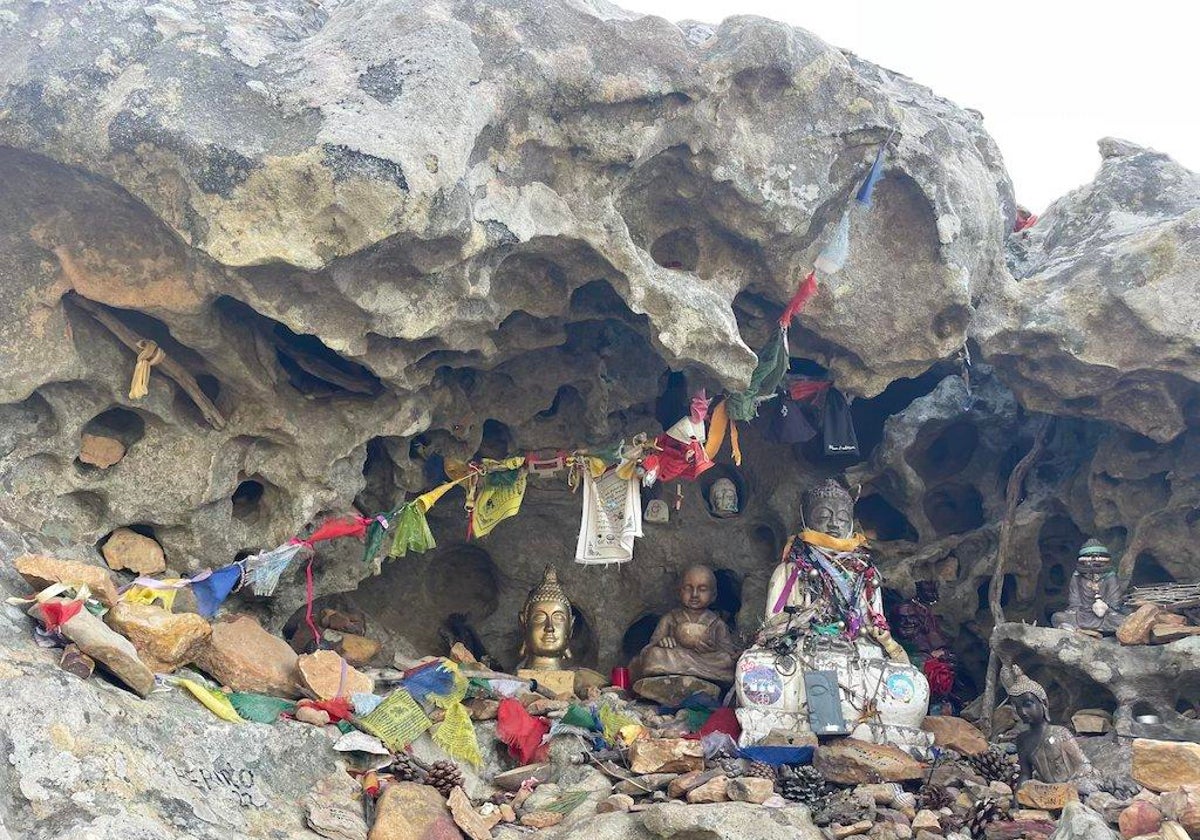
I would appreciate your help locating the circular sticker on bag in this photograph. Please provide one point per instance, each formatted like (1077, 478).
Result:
(761, 685)
(901, 687)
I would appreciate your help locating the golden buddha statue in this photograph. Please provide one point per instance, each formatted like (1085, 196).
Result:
(691, 640)
(546, 624)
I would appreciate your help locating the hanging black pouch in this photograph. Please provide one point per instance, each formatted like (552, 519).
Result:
(788, 423)
(838, 426)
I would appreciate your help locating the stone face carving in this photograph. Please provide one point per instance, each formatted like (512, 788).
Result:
(691, 640)
(546, 624)
(723, 498)
(1094, 593)
(1047, 752)
(657, 511)
(824, 612)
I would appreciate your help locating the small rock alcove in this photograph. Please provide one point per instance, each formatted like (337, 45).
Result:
(106, 439)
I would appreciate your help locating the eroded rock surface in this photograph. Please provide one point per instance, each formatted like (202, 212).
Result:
(1102, 315)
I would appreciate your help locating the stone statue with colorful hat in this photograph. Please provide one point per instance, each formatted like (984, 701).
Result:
(1094, 593)
(824, 626)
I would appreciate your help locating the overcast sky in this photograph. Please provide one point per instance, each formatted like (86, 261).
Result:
(1051, 77)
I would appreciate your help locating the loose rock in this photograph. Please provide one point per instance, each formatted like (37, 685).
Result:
(749, 789)
(1079, 822)
(466, 817)
(666, 755)
(100, 451)
(409, 811)
(850, 761)
(112, 650)
(1047, 796)
(1091, 721)
(1164, 634)
(1165, 765)
(41, 571)
(326, 675)
(1139, 818)
(955, 733)
(616, 802)
(245, 657)
(541, 819)
(127, 549)
(711, 791)
(357, 650)
(1135, 630)
(164, 640)
(1183, 806)
(729, 821)
(927, 820)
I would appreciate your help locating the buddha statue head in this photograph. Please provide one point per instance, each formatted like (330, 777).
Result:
(1094, 560)
(546, 624)
(697, 587)
(829, 509)
(1028, 697)
(723, 498)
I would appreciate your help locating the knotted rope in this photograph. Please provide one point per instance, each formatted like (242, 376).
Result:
(149, 355)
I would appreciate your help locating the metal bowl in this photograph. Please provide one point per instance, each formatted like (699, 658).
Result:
(1150, 719)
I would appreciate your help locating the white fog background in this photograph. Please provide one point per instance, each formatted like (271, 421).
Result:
(1050, 77)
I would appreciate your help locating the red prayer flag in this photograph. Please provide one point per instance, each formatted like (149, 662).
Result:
(799, 300)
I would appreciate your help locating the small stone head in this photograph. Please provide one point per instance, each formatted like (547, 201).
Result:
(1028, 697)
(697, 587)
(1094, 559)
(723, 498)
(547, 620)
(909, 622)
(829, 508)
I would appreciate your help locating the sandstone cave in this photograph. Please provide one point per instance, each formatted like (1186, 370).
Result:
(342, 290)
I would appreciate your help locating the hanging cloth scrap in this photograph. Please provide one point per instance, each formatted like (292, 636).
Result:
(149, 355)
(768, 373)
(520, 731)
(397, 721)
(456, 735)
(496, 494)
(611, 519)
(215, 701)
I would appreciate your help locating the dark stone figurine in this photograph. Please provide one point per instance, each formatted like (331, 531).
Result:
(1094, 594)
(1047, 753)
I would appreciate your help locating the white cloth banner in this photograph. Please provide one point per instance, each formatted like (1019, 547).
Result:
(612, 518)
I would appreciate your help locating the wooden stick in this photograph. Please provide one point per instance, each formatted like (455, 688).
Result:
(168, 366)
(1012, 498)
(320, 368)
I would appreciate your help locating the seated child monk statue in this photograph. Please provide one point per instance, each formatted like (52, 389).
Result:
(690, 640)
(1094, 594)
(1047, 753)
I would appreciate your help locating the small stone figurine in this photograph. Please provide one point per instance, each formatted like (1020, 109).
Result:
(1094, 594)
(1047, 753)
(691, 640)
(723, 498)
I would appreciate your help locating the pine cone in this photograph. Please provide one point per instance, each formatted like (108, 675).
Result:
(445, 776)
(408, 768)
(933, 797)
(841, 807)
(732, 767)
(762, 771)
(996, 765)
(801, 784)
(983, 812)
(1122, 787)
